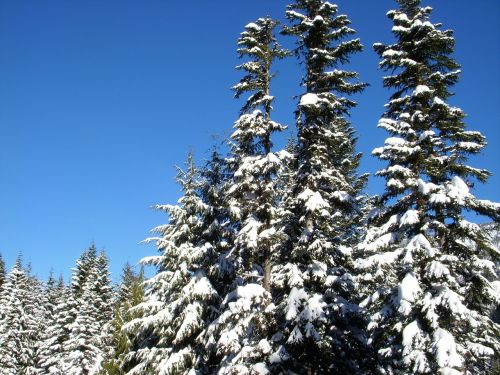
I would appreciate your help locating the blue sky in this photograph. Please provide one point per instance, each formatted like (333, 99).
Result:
(100, 99)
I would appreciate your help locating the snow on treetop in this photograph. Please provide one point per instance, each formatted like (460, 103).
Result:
(253, 26)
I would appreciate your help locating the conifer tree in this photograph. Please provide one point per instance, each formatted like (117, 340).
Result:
(179, 298)
(51, 348)
(320, 324)
(217, 228)
(20, 324)
(431, 270)
(82, 270)
(89, 314)
(130, 293)
(241, 329)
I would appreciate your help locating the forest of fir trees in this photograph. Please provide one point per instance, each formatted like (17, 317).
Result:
(276, 261)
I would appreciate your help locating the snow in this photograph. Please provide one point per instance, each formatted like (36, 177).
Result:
(260, 369)
(407, 292)
(395, 141)
(294, 301)
(438, 101)
(401, 17)
(391, 53)
(313, 200)
(426, 187)
(250, 291)
(460, 187)
(426, 134)
(318, 19)
(437, 270)
(446, 350)
(309, 99)
(253, 26)
(410, 217)
(421, 90)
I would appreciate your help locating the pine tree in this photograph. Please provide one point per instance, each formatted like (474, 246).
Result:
(89, 315)
(130, 293)
(431, 270)
(179, 298)
(20, 324)
(51, 348)
(217, 228)
(320, 324)
(83, 267)
(240, 332)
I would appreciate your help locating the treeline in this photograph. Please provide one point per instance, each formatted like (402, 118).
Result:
(277, 261)
(54, 328)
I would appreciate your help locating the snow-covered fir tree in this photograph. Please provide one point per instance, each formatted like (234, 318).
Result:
(129, 294)
(81, 272)
(21, 311)
(88, 315)
(217, 228)
(179, 299)
(320, 326)
(51, 347)
(431, 270)
(241, 331)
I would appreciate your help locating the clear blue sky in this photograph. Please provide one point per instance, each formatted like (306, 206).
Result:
(99, 99)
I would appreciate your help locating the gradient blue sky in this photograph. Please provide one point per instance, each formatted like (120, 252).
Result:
(99, 99)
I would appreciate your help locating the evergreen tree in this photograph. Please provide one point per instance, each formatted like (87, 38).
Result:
(217, 228)
(56, 333)
(241, 329)
(431, 271)
(320, 324)
(130, 293)
(180, 298)
(83, 267)
(20, 324)
(89, 315)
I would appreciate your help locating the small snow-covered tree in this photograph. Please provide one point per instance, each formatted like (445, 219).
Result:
(20, 324)
(56, 332)
(82, 270)
(320, 324)
(89, 310)
(180, 298)
(430, 269)
(241, 331)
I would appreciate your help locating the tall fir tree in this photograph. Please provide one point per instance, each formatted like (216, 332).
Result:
(180, 298)
(431, 270)
(241, 330)
(320, 323)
